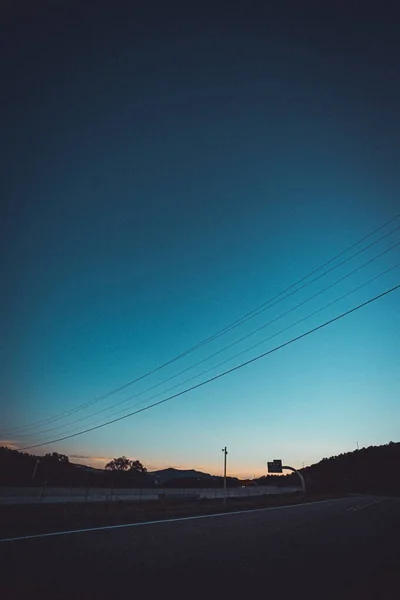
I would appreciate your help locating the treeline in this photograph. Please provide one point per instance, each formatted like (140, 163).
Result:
(369, 470)
(19, 468)
(281, 480)
(22, 469)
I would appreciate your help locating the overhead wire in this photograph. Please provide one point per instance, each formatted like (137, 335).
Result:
(263, 341)
(255, 312)
(225, 348)
(224, 373)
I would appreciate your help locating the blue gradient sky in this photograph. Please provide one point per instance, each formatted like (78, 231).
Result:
(166, 174)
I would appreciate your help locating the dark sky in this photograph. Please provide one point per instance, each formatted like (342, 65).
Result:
(167, 167)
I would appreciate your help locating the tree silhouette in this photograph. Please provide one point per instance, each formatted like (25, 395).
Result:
(367, 470)
(136, 467)
(56, 458)
(119, 464)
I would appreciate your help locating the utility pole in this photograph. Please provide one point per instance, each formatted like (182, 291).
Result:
(357, 445)
(224, 450)
(35, 468)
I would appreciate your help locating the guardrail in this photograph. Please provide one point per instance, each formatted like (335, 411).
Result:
(179, 496)
(52, 495)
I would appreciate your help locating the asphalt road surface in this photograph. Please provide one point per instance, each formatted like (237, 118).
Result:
(342, 549)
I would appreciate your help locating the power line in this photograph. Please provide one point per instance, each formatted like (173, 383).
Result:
(267, 304)
(263, 341)
(229, 345)
(226, 360)
(224, 373)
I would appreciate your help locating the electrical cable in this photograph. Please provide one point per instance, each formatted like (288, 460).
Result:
(233, 325)
(258, 329)
(226, 360)
(224, 373)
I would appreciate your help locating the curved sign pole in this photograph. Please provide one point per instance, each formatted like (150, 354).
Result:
(276, 466)
(303, 483)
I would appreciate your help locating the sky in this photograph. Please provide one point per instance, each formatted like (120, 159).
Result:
(168, 169)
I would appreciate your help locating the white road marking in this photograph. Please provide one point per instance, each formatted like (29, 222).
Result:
(362, 506)
(176, 520)
(365, 506)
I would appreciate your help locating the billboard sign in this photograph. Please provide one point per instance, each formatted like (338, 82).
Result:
(275, 466)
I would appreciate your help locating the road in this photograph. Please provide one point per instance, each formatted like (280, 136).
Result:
(346, 548)
(58, 495)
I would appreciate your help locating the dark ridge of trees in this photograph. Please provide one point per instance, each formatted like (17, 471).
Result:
(133, 467)
(127, 473)
(22, 469)
(118, 464)
(369, 470)
(285, 480)
(15, 467)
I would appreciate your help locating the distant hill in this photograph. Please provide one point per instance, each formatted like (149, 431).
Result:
(170, 474)
(20, 468)
(369, 470)
(188, 478)
(85, 468)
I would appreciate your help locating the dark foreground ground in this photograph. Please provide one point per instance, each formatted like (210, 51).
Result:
(22, 519)
(341, 548)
